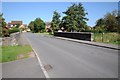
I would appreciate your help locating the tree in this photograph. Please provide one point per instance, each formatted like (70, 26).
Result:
(118, 19)
(66, 23)
(111, 21)
(3, 23)
(55, 21)
(100, 25)
(100, 22)
(37, 25)
(75, 19)
(4, 31)
(31, 26)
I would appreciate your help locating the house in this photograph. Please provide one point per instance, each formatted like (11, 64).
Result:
(9, 25)
(48, 27)
(23, 26)
(14, 23)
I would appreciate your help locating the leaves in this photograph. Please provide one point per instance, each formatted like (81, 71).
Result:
(75, 19)
(110, 22)
(55, 21)
(37, 25)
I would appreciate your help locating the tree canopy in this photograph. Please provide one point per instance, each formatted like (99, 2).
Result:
(37, 25)
(110, 22)
(3, 23)
(55, 21)
(75, 19)
(3, 31)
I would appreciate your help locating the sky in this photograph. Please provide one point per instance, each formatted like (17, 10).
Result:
(28, 11)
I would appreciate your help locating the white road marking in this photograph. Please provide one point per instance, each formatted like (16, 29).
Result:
(40, 62)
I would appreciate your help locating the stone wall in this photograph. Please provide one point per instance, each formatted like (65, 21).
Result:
(14, 39)
(76, 35)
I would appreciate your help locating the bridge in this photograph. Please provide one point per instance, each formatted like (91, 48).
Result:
(67, 59)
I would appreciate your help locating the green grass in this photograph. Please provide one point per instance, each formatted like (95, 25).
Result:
(45, 33)
(10, 53)
(110, 38)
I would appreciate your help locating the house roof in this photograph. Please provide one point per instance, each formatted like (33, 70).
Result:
(9, 23)
(25, 25)
(48, 23)
(16, 22)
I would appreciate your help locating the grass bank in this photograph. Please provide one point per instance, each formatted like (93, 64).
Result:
(10, 53)
(110, 38)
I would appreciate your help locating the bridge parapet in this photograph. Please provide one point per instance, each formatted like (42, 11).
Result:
(87, 36)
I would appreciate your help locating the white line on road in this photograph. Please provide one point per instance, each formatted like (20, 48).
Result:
(40, 62)
(42, 67)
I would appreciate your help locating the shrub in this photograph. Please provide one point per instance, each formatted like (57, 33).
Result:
(13, 30)
(5, 32)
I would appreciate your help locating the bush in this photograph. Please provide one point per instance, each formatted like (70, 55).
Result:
(109, 37)
(5, 32)
(13, 30)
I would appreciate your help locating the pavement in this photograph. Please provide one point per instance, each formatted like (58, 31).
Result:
(110, 46)
(25, 68)
(69, 59)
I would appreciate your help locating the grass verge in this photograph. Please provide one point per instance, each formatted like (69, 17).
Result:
(110, 38)
(10, 53)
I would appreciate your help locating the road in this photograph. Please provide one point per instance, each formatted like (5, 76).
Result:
(74, 60)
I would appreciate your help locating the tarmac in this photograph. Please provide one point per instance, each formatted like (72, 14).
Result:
(25, 68)
(29, 68)
(110, 46)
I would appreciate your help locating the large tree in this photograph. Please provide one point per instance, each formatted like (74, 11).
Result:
(75, 19)
(2, 21)
(37, 25)
(111, 21)
(55, 21)
(118, 19)
(100, 25)
(31, 26)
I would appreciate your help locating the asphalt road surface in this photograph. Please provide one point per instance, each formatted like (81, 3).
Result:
(74, 60)
(24, 68)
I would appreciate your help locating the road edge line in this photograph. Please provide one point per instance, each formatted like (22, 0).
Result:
(41, 65)
(40, 62)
